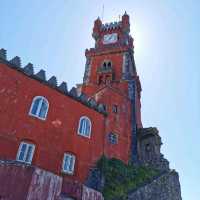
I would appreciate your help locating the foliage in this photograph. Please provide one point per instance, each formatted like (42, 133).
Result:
(121, 178)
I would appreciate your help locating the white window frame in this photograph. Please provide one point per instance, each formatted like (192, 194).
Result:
(71, 156)
(79, 126)
(26, 151)
(39, 107)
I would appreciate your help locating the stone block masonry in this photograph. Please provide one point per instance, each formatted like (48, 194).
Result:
(165, 187)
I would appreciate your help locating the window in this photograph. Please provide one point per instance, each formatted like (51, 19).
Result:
(107, 65)
(39, 107)
(104, 65)
(84, 128)
(113, 138)
(68, 163)
(105, 107)
(25, 152)
(115, 109)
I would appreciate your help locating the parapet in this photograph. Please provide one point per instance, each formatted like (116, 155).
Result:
(111, 26)
(99, 27)
(28, 70)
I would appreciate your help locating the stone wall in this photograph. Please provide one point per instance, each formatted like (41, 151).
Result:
(166, 187)
(149, 149)
(25, 182)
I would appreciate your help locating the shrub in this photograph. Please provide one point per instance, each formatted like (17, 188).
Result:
(121, 178)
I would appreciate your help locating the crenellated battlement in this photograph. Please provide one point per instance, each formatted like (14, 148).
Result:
(111, 26)
(28, 70)
(112, 35)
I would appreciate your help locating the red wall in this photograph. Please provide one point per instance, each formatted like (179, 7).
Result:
(52, 137)
(118, 123)
(114, 93)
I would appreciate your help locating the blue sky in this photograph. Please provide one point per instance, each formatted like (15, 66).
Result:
(53, 35)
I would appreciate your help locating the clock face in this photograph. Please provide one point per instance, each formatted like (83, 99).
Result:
(110, 38)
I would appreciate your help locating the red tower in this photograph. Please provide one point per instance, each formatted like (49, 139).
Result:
(111, 78)
(65, 132)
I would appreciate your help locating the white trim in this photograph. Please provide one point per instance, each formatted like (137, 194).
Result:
(79, 133)
(68, 156)
(26, 151)
(39, 107)
(110, 38)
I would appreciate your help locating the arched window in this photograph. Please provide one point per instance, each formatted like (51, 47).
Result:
(104, 65)
(84, 128)
(107, 65)
(39, 107)
(25, 152)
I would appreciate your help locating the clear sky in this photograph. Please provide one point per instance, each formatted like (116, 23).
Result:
(53, 35)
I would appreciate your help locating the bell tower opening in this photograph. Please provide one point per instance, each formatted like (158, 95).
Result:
(113, 53)
(105, 73)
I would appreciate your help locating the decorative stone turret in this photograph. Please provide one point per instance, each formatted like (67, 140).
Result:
(97, 28)
(3, 54)
(28, 69)
(16, 61)
(125, 23)
(53, 81)
(148, 148)
(41, 75)
(63, 87)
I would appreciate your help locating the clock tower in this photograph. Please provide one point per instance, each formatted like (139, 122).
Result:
(111, 79)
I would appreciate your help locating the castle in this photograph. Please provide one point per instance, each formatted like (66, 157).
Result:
(51, 138)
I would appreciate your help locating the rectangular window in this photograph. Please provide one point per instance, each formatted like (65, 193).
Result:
(115, 109)
(105, 108)
(25, 152)
(113, 138)
(68, 163)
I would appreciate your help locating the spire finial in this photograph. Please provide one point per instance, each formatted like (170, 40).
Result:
(102, 15)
